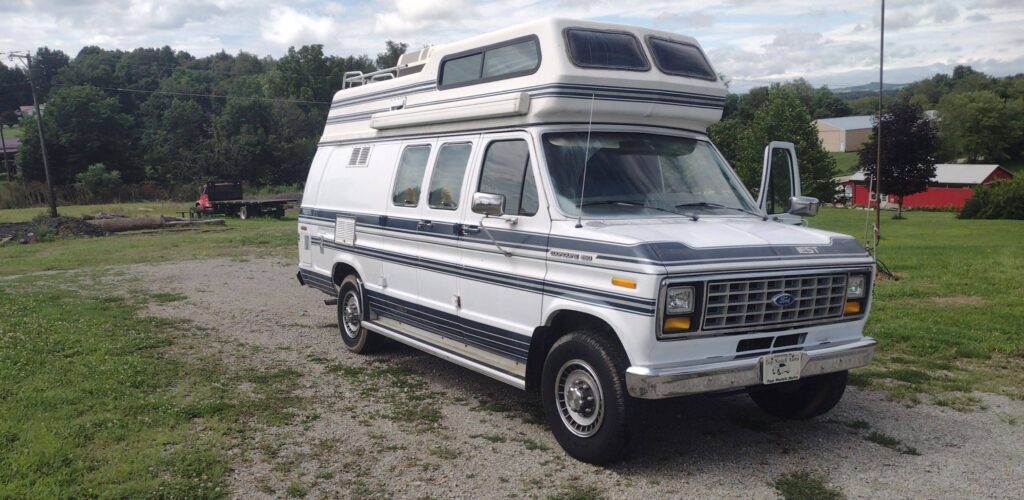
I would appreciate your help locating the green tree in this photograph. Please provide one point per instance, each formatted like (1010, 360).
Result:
(782, 117)
(982, 126)
(392, 51)
(14, 91)
(83, 126)
(909, 145)
(175, 142)
(302, 74)
(46, 64)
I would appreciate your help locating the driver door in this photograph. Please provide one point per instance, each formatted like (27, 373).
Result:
(780, 181)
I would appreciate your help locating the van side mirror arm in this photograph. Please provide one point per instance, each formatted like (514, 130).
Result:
(486, 231)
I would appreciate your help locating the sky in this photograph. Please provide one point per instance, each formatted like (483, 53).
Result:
(752, 42)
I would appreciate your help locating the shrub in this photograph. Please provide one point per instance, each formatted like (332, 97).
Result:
(96, 178)
(999, 200)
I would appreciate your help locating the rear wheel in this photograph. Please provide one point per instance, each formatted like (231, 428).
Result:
(585, 399)
(243, 212)
(802, 399)
(351, 313)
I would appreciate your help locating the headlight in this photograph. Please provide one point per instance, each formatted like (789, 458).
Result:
(679, 300)
(855, 286)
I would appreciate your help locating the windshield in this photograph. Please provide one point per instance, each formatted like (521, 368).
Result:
(641, 175)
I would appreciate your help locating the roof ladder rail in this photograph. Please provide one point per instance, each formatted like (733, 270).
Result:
(351, 79)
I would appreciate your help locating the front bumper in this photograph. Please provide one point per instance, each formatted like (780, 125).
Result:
(680, 380)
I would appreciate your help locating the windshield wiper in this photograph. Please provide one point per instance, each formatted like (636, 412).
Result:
(705, 204)
(632, 204)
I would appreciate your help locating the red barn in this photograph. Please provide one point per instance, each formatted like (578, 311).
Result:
(951, 187)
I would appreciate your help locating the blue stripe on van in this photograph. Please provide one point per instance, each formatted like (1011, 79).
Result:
(624, 303)
(489, 338)
(318, 281)
(428, 86)
(574, 91)
(667, 253)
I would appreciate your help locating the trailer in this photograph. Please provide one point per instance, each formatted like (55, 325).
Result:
(226, 197)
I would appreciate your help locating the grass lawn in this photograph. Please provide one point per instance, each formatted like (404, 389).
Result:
(239, 238)
(16, 132)
(100, 400)
(846, 163)
(954, 321)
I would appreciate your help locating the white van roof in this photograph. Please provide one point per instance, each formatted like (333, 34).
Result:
(551, 85)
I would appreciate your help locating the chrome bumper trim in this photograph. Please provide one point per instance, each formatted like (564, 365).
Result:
(680, 380)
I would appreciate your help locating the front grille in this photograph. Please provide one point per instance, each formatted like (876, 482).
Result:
(748, 303)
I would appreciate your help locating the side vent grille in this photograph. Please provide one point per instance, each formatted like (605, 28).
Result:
(360, 156)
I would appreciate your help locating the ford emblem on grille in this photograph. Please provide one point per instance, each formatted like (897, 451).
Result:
(783, 299)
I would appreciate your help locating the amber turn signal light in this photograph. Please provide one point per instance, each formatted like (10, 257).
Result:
(852, 307)
(677, 324)
(624, 283)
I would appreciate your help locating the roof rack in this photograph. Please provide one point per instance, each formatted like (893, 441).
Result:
(408, 63)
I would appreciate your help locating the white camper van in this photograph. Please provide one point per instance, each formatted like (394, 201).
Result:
(542, 205)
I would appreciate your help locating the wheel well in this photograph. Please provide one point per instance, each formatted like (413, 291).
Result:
(341, 270)
(544, 337)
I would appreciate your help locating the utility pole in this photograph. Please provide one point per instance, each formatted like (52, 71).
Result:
(3, 149)
(878, 141)
(39, 126)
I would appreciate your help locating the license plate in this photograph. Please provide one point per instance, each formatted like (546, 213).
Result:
(781, 367)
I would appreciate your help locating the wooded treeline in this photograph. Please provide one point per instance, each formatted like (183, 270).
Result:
(168, 118)
(152, 114)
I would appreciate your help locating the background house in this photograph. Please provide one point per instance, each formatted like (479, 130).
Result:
(848, 133)
(11, 144)
(951, 187)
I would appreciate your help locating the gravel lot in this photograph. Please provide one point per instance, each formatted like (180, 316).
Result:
(404, 424)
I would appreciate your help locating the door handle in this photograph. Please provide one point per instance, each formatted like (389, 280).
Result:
(423, 225)
(470, 230)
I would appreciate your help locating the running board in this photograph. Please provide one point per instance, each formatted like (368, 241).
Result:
(410, 340)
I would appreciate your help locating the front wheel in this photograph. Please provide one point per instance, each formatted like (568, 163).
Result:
(802, 399)
(243, 212)
(351, 313)
(585, 398)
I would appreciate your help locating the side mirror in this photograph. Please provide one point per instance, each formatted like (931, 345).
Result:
(804, 206)
(489, 204)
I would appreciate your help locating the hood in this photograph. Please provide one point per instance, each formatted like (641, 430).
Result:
(709, 240)
(715, 232)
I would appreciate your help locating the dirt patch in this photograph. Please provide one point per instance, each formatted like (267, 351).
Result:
(401, 423)
(958, 300)
(43, 228)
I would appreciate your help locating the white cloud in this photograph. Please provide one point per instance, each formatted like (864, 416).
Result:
(287, 26)
(409, 16)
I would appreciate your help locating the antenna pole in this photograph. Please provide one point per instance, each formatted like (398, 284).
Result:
(586, 159)
(878, 141)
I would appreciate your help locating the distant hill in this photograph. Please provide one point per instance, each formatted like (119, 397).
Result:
(869, 87)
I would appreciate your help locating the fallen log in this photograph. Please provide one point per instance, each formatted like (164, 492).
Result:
(204, 222)
(123, 224)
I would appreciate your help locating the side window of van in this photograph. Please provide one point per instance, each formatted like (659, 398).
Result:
(506, 171)
(446, 181)
(411, 167)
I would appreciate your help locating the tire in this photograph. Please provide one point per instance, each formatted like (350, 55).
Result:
(243, 212)
(593, 421)
(351, 314)
(802, 399)
(279, 213)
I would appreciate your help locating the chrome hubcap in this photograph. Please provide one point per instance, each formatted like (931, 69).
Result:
(350, 315)
(579, 399)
